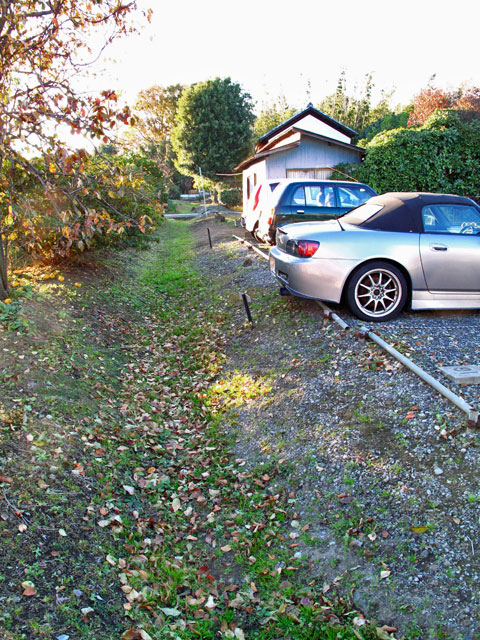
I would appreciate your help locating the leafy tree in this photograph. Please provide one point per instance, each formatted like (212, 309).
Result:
(431, 99)
(156, 110)
(352, 111)
(387, 121)
(272, 115)
(120, 197)
(155, 115)
(428, 101)
(213, 128)
(42, 48)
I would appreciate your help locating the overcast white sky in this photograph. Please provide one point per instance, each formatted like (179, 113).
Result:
(274, 47)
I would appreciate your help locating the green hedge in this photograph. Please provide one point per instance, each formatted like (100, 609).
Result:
(231, 197)
(442, 156)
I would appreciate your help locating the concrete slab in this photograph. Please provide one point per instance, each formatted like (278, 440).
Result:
(182, 216)
(463, 373)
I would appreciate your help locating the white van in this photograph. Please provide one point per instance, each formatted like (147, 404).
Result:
(259, 202)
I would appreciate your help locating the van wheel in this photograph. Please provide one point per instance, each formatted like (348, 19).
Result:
(256, 235)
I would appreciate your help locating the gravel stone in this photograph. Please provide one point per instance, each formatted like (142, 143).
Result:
(370, 448)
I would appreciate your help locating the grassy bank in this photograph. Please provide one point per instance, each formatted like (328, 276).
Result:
(123, 513)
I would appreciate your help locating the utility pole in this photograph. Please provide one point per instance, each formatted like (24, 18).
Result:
(203, 191)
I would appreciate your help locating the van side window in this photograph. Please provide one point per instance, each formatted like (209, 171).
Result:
(299, 197)
(323, 196)
(248, 188)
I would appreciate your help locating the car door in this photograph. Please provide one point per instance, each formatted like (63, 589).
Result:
(450, 248)
(313, 202)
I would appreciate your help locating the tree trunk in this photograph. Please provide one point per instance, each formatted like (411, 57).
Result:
(3, 268)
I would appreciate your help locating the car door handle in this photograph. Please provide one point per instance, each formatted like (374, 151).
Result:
(300, 210)
(438, 247)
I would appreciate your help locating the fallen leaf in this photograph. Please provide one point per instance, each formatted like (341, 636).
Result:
(421, 529)
(170, 612)
(103, 523)
(384, 632)
(359, 621)
(30, 591)
(136, 634)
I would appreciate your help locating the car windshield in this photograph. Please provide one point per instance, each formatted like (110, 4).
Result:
(361, 214)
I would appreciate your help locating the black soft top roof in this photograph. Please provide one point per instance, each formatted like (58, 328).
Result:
(402, 211)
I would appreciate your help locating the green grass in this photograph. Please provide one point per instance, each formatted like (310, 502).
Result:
(139, 521)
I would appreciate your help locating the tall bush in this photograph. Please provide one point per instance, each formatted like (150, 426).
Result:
(231, 197)
(441, 156)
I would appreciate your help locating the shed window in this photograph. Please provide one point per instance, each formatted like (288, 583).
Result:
(318, 174)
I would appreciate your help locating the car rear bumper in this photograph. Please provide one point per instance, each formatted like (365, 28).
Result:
(314, 278)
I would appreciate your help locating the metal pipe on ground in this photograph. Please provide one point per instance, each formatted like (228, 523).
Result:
(330, 314)
(251, 246)
(426, 377)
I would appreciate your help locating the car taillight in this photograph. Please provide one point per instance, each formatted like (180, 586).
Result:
(307, 248)
(302, 248)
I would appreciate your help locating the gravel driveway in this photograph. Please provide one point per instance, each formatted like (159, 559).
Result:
(383, 471)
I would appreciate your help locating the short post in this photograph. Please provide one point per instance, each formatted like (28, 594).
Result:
(209, 238)
(246, 300)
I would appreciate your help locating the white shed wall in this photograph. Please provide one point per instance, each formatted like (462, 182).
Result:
(309, 155)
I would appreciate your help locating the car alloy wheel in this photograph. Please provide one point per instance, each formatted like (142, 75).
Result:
(377, 292)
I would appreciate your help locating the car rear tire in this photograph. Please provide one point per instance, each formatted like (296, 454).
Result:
(377, 292)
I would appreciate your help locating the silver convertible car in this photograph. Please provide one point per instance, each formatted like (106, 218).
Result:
(417, 248)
